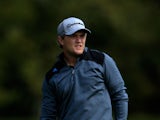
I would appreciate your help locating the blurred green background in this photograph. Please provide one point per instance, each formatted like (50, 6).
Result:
(128, 30)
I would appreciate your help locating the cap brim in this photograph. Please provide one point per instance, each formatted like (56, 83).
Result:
(76, 28)
(85, 30)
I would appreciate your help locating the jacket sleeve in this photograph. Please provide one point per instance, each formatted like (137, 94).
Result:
(116, 87)
(48, 105)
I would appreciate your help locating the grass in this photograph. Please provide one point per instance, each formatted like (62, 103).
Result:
(19, 118)
(143, 117)
(131, 117)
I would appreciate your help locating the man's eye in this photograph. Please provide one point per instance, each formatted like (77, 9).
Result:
(82, 35)
(73, 35)
(70, 35)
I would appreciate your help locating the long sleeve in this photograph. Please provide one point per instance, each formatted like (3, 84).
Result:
(48, 105)
(116, 88)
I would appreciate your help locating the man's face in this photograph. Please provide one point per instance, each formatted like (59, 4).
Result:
(74, 44)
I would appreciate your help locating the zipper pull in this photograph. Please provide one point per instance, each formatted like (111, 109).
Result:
(73, 71)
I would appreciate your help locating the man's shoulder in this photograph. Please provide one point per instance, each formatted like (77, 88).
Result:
(94, 55)
(54, 70)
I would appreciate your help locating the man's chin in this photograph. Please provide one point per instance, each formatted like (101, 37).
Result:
(77, 54)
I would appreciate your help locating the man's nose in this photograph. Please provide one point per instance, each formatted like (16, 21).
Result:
(78, 38)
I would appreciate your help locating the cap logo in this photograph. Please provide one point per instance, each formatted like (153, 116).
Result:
(69, 25)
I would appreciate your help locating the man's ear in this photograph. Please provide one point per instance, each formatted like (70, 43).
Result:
(60, 41)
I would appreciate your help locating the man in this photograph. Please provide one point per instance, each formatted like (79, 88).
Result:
(83, 84)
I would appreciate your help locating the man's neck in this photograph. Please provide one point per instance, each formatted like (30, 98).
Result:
(70, 60)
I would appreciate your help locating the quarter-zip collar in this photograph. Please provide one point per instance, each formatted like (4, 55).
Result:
(62, 60)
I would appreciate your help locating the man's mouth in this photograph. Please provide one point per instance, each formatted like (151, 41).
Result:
(78, 46)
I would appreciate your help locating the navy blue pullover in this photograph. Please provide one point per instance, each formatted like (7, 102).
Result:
(87, 91)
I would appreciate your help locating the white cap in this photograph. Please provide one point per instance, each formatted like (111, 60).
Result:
(71, 25)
